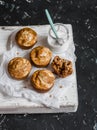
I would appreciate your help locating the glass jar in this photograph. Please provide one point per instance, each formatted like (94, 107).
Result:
(63, 33)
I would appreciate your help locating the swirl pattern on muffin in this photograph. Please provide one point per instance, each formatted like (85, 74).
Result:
(40, 56)
(26, 38)
(42, 80)
(19, 68)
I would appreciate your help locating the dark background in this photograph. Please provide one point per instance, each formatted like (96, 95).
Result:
(82, 14)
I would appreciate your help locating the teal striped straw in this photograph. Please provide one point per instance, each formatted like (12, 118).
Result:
(51, 23)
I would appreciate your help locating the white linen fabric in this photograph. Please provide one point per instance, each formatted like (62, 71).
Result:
(23, 88)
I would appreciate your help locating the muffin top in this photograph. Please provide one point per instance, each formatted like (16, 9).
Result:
(26, 38)
(42, 80)
(19, 67)
(62, 67)
(41, 56)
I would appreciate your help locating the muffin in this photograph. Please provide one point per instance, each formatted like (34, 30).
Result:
(62, 67)
(40, 56)
(42, 80)
(19, 68)
(26, 38)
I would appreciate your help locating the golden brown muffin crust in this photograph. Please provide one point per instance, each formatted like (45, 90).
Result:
(19, 68)
(42, 80)
(62, 67)
(26, 38)
(41, 56)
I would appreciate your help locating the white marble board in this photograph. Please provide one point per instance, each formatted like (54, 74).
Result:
(20, 105)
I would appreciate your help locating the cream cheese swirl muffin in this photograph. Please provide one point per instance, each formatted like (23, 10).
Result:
(42, 80)
(19, 68)
(26, 38)
(40, 56)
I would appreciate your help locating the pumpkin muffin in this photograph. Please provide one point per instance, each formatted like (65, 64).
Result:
(62, 67)
(19, 68)
(26, 38)
(40, 56)
(42, 80)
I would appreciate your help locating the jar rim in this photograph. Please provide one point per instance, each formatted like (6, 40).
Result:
(61, 25)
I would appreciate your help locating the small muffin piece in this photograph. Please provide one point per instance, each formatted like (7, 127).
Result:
(26, 38)
(62, 67)
(41, 56)
(42, 80)
(19, 68)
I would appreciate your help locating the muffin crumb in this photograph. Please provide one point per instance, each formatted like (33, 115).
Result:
(17, 53)
(50, 95)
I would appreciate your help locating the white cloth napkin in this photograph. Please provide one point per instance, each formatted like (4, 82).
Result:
(23, 88)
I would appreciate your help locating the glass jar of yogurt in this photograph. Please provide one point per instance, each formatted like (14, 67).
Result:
(58, 46)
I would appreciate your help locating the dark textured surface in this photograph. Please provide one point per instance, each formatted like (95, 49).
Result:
(82, 14)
